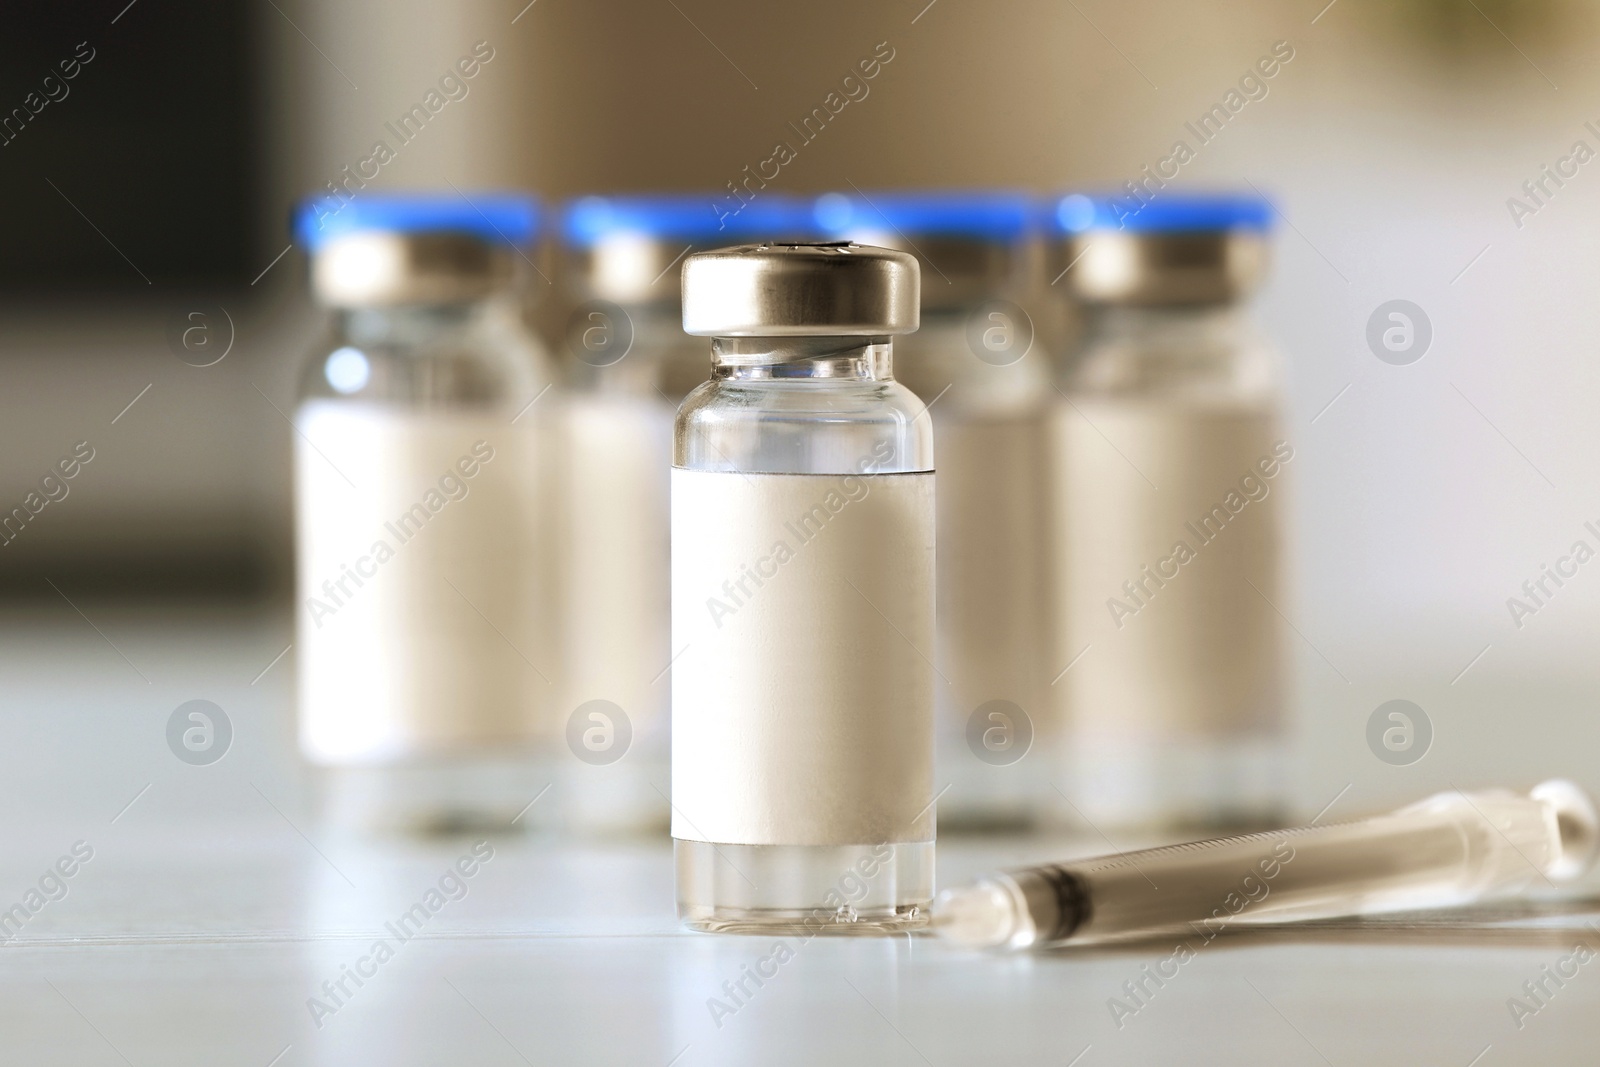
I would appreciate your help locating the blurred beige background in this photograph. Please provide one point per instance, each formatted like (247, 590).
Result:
(1391, 142)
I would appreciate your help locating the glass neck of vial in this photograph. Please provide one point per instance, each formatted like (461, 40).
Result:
(943, 358)
(1165, 323)
(649, 368)
(403, 326)
(1210, 348)
(861, 359)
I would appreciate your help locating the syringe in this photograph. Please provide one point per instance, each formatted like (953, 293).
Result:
(1452, 848)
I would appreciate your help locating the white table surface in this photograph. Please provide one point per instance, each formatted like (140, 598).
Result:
(213, 910)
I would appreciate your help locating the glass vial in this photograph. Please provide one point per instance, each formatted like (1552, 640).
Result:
(802, 598)
(629, 365)
(1170, 472)
(975, 361)
(423, 556)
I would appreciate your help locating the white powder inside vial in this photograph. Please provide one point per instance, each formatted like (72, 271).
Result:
(992, 567)
(1192, 654)
(616, 623)
(423, 585)
(802, 616)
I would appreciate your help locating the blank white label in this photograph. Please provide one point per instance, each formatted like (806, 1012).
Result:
(802, 617)
(421, 607)
(1169, 536)
(615, 625)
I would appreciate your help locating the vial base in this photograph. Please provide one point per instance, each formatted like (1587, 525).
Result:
(622, 799)
(983, 798)
(1220, 784)
(861, 890)
(430, 797)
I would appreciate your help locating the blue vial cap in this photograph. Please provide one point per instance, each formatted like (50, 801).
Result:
(497, 218)
(1162, 213)
(695, 218)
(991, 215)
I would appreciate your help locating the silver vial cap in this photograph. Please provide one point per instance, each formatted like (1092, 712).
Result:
(1109, 267)
(625, 268)
(379, 268)
(839, 289)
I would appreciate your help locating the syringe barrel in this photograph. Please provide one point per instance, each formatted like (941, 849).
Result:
(1448, 849)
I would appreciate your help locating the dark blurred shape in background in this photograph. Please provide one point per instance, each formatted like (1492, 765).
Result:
(134, 136)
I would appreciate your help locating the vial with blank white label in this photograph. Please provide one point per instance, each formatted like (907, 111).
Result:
(629, 365)
(423, 565)
(802, 598)
(1170, 467)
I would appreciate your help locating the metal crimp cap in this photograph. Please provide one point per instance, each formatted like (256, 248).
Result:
(838, 289)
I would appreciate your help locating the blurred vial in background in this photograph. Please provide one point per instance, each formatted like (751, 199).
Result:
(629, 364)
(976, 363)
(1170, 471)
(424, 553)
